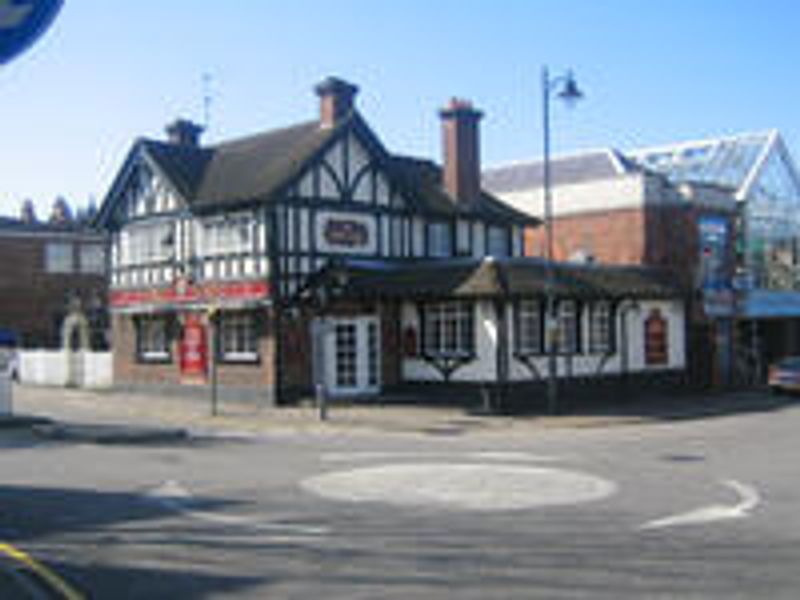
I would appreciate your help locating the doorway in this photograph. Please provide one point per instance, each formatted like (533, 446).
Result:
(352, 356)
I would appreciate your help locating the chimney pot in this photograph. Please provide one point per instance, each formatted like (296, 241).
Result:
(183, 132)
(337, 100)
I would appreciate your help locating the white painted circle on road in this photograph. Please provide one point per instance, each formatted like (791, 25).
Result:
(471, 487)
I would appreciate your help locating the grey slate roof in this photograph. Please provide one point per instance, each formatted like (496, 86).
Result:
(510, 277)
(589, 166)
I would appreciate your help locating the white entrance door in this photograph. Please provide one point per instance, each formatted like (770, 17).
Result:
(352, 356)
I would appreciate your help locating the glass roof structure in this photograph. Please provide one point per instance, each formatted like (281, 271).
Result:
(755, 165)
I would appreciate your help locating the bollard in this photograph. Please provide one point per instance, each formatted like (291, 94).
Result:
(322, 403)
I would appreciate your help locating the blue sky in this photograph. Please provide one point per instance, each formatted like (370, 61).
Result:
(108, 72)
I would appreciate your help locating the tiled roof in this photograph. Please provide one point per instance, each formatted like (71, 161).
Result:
(257, 166)
(514, 277)
(239, 170)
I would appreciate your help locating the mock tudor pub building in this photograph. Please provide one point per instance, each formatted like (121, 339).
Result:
(311, 255)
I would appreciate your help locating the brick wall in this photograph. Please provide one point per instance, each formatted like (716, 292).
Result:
(128, 369)
(34, 302)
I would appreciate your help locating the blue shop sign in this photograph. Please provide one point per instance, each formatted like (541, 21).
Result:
(22, 22)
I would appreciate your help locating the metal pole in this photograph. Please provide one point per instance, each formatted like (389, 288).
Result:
(552, 366)
(214, 382)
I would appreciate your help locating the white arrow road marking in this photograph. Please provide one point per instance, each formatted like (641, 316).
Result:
(749, 500)
(174, 496)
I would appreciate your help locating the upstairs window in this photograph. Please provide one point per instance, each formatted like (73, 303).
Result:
(448, 329)
(440, 240)
(93, 259)
(497, 242)
(147, 243)
(59, 258)
(231, 235)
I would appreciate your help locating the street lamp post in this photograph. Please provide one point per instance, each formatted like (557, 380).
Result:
(568, 92)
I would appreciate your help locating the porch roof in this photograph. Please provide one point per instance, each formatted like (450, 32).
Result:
(497, 278)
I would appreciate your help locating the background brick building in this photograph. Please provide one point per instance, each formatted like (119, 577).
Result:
(48, 271)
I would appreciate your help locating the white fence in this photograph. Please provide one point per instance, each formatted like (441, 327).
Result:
(66, 368)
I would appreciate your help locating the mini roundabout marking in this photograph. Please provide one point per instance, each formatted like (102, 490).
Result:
(473, 486)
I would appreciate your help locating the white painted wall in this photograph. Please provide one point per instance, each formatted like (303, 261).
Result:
(51, 367)
(599, 195)
(484, 368)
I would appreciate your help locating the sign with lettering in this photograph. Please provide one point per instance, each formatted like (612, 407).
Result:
(341, 232)
(22, 22)
(346, 233)
(184, 293)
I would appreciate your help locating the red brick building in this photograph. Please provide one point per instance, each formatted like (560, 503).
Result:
(609, 209)
(48, 271)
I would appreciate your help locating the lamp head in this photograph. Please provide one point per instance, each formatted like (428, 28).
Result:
(570, 93)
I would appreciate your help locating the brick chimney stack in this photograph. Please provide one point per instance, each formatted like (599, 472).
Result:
(183, 132)
(462, 157)
(336, 100)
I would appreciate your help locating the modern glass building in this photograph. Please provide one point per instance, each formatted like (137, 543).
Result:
(765, 181)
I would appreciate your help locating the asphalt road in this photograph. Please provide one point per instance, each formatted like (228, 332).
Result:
(691, 509)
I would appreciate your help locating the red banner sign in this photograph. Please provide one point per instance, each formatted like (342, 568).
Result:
(194, 349)
(184, 293)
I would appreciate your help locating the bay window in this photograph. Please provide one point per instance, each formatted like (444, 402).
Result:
(448, 329)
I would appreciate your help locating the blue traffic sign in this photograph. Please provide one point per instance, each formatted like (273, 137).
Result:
(22, 22)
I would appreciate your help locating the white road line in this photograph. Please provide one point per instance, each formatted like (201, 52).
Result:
(171, 494)
(749, 499)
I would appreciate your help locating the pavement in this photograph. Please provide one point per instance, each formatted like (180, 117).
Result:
(115, 417)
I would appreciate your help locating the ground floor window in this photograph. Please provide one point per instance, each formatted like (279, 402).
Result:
(448, 329)
(530, 327)
(656, 339)
(238, 337)
(601, 329)
(568, 339)
(152, 338)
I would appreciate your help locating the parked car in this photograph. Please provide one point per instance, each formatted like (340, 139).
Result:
(784, 376)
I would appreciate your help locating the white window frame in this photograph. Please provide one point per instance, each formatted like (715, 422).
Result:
(449, 329)
(228, 235)
(152, 341)
(530, 327)
(568, 327)
(147, 243)
(59, 258)
(92, 259)
(498, 241)
(440, 240)
(601, 338)
(238, 337)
